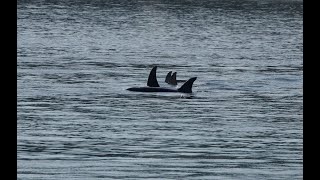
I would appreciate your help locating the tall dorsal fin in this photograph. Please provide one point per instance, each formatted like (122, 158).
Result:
(187, 86)
(152, 79)
(168, 77)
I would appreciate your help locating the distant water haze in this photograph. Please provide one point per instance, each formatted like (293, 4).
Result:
(76, 120)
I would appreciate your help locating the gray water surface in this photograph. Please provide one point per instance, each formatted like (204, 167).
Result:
(76, 120)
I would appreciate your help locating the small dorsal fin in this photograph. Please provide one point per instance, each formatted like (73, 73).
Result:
(173, 79)
(187, 86)
(168, 77)
(152, 79)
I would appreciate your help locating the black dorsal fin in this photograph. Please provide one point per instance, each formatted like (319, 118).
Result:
(168, 77)
(187, 86)
(173, 79)
(152, 79)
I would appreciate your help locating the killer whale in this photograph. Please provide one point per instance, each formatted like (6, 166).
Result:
(153, 86)
(172, 79)
(152, 79)
(185, 88)
(168, 77)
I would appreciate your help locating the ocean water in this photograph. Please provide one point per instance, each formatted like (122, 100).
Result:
(76, 120)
